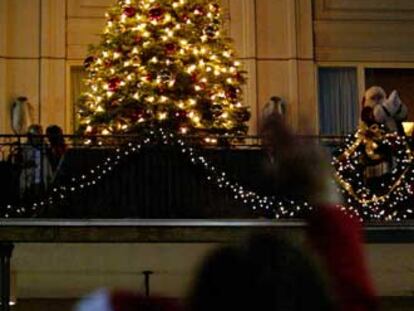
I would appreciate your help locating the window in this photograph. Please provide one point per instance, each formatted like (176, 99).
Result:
(338, 100)
(77, 74)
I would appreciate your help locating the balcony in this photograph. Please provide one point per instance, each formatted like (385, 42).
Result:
(117, 193)
(135, 177)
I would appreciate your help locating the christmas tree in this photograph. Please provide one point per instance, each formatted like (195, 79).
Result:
(163, 63)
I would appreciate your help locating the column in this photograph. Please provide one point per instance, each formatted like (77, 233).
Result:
(53, 46)
(285, 59)
(19, 56)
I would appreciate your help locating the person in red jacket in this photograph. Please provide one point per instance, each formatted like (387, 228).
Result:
(335, 236)
(338, 241)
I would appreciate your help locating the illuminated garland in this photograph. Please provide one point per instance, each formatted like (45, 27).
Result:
(359, 198)
(250, 199)
(359, 203)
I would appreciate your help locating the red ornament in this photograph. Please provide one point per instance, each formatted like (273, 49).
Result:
(136, 114)
(130, 11)
(113, 84)
(239, 76)
(194, 77)
(181, 115)
(232, 92)
(107, 63)
(184, 18)
(137, 39)
(170, 48)
(149, 77)
(156, 13)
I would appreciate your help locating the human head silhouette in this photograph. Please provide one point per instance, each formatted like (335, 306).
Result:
(263, 273)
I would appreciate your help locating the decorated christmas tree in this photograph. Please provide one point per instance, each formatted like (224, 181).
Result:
(163, 63)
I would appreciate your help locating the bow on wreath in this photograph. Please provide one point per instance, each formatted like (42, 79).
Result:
(369, 136)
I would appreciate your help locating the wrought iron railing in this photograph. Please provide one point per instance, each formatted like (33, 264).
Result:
(30, 171)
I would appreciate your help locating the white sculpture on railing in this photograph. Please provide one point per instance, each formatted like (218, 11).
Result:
(21, 115)
(274, 105)
(395, 112)
(380, 110)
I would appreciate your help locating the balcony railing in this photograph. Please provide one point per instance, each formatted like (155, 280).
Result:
(106, 176)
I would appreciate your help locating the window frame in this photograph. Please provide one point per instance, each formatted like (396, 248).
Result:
(360, 74)
(69, 109)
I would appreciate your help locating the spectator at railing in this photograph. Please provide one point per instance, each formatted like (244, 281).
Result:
(336, 237)
(9, 178)
(57, 146)
(36, 172)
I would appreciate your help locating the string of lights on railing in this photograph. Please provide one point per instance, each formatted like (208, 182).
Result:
(250, 199)
(359, 202)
